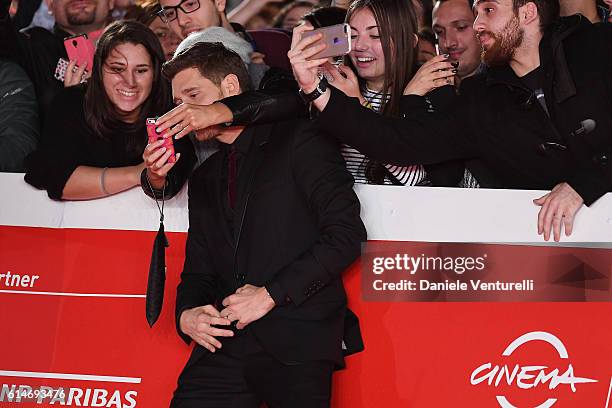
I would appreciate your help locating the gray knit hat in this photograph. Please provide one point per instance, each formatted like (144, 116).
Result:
(219, 34)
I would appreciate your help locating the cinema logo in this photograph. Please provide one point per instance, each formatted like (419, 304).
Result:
(532, 376)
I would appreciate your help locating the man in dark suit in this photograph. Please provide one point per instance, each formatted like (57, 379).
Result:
(273, 222)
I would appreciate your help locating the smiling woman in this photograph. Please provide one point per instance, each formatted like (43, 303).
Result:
(94, 137)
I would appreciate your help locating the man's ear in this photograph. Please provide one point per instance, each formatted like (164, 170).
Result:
(528, 13)
(111, 4)
(220, 5)
(230, 86)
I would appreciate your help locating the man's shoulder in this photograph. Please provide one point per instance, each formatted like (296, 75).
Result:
(293, 127)
(291, 134)
(577, 31)
(11, 75)
(476, 84)
(40, 34)
(200, 172)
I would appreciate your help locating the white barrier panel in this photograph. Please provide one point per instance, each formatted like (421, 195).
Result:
(390, 213)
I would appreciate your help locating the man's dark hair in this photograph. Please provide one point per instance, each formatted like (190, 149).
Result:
(469, 2)
(214, 62)
(325, 16)
(144, 11)
(548, 10)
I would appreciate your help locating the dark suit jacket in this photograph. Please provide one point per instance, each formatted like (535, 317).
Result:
(297, 228)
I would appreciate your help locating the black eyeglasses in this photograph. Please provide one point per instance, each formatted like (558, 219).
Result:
(170, 13)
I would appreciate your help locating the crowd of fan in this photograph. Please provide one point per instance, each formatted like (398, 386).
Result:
(83, 137)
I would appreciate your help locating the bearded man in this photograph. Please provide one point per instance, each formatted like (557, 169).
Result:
(38, 50)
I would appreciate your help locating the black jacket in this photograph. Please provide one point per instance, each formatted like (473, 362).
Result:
(499, 121)
(266, 106)
(19, 126)
(296, 228)
(37, 50)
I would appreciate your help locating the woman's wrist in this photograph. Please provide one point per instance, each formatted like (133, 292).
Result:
(321, 102)
(138, 169)
(310, 88)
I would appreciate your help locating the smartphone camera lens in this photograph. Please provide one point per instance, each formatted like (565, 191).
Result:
(74, 43)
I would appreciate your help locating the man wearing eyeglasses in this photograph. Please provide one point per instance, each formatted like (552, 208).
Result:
(187, 16)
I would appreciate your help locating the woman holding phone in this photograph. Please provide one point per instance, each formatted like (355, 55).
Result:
(94, 136)
(380, 68)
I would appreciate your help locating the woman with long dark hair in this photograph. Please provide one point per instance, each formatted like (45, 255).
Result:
(95, 134)
(378, 70)
(383, 59)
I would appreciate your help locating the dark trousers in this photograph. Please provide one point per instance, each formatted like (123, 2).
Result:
(245, 380)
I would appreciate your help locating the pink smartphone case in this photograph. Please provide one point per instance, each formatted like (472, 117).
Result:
(154, 136)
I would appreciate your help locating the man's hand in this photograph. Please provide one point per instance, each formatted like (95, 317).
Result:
(558, 206)
(196, 323)
(188, 117)
(76, 75)
(248, 304)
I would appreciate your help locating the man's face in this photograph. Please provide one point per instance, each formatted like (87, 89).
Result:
(207, 15)
(168, 39)
(191, 87)
(498, 30)
(453, 25)
(73, 14)
(426, 51)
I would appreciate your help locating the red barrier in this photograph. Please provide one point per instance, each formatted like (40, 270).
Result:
(417, 354)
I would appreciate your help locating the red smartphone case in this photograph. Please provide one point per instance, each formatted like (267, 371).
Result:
(81, 49)
(155, 136)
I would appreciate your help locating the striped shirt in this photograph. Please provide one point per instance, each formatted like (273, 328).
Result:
(357, 162)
